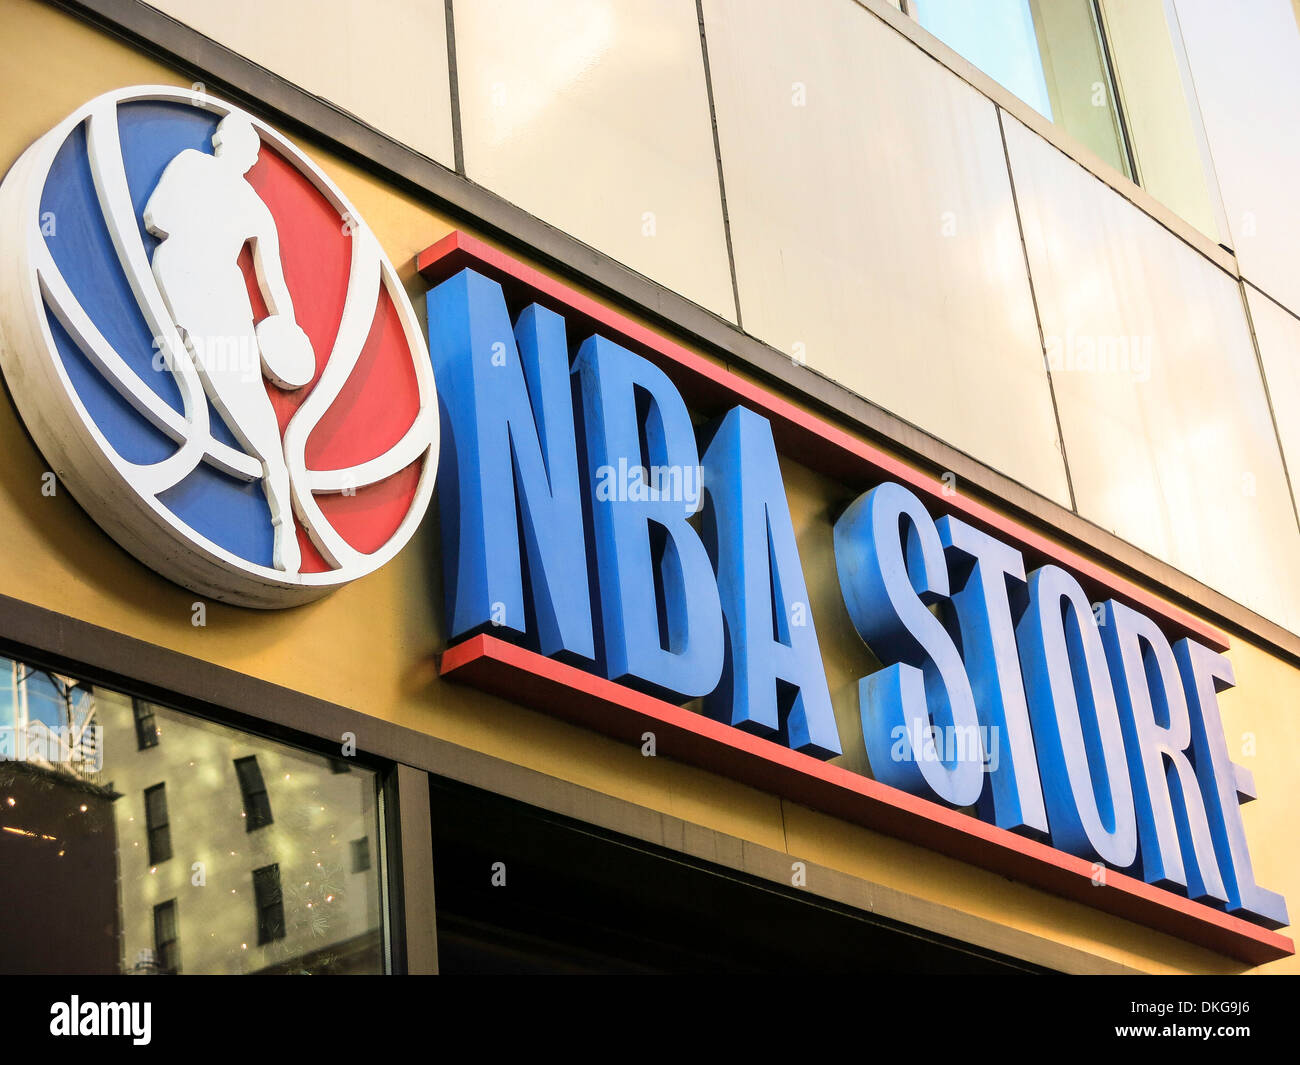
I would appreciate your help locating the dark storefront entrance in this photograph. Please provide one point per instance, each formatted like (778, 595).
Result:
(570, 898)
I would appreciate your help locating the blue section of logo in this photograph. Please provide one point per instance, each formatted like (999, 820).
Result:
(227, 511)
(134, 438)
(152, 135)
(84, 253)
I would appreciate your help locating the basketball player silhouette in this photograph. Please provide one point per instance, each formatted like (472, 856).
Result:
(205, 212)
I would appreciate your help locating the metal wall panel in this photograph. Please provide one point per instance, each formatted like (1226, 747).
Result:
(1277, 334)
(874, 230)
(594, 116)
(1245, 63)
(1163, 410)
(384, 61)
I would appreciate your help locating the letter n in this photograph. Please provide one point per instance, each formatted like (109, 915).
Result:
(509, 470)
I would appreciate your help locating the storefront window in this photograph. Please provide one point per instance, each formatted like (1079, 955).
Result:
(126, 843)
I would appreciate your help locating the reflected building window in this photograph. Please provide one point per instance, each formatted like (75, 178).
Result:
(47, 719)
(46, 698)
(157, 824)
(257, 803)
(270, 904)
(166, 938)
(146, 726)
(360, 855)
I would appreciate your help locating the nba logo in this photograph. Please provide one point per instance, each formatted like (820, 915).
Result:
(211, 350)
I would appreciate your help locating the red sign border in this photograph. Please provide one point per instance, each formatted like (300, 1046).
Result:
(492, 665)
(527, 678)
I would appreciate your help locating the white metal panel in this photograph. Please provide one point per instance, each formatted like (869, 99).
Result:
(1277, 333)
(385, 61)
(1166, 425)
(1245, 63)
(594, 116)
(874, 230)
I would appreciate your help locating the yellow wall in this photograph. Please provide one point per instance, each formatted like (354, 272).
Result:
(372, 645)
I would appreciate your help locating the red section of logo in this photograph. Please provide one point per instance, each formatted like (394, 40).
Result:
(380, 399)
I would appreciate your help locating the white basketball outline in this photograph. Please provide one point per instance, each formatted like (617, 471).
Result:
(121, 496)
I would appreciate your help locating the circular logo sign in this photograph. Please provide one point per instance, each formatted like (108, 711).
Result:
(211, 350)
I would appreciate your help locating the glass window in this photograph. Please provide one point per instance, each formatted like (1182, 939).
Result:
(146, 728)
(166, 937)
(1050, 53)
(998, 37)
(157, 825)
(270, 903)
(8, 708)
(82, 872)
(257, 803)
(47, 719)
(1171, 153)
(45, 698)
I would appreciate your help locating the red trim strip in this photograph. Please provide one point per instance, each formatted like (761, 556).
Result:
(816, 443)
(527, 678)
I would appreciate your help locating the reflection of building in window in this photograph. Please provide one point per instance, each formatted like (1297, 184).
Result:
(82, 850)
(257, 804)
(166, 937)
(157, 824)
(360, 854)
(48, 720)
(146, 727)
(270, 904)
(330, 916)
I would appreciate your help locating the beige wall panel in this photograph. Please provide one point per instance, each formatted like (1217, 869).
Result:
(874, 228)
(594, 116)
(1245, 61)
(1162, 406)
(1278, 336)
(384, 61)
